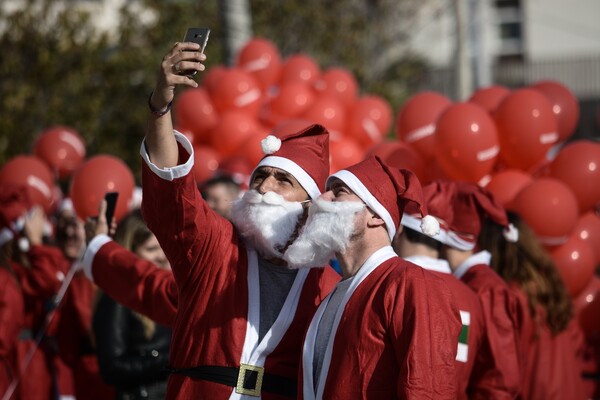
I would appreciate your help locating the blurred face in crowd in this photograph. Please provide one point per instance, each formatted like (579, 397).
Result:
(70, 234)
(268, 215)
(220, 197)
(150, 250)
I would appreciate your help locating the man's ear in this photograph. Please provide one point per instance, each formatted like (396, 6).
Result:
(375, 221)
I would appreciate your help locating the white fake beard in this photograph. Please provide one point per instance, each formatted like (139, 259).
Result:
(266, 221)
(327, 231)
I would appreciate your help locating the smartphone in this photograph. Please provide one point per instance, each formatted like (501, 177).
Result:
(196, 35)
(111, 204)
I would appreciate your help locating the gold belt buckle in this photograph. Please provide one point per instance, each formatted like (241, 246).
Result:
(242, 376)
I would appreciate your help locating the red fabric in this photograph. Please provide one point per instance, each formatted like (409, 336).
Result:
(466, 300)
(12, 309)
(501, 312)
(396, 339)
(135, 283)
(14, 202)
(438, 196)
(74, 336)
(392, 187)
(39, 283)
(309, 148)
(553, 368)
(210, 267)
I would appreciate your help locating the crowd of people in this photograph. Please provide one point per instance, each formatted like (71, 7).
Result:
(208, 291)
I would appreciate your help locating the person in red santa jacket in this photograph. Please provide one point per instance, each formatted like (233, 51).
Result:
(550, 337)
(390, 329)
(412, 245)
(241, 312)
(33, 265)
(472, 205)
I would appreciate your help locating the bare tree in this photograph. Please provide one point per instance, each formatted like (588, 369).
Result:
(236, 19)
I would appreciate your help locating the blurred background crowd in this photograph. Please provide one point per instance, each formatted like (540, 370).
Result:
(503, 94)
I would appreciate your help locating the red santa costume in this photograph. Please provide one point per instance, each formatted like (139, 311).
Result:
(395, 331)
(141, 285)
(215, 349)
(37, 283)
(12, 307)
(552, 367)
(501, 309)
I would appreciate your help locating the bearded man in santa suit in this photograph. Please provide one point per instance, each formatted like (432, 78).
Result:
(241, 312)
(389, 329)
(471, 206)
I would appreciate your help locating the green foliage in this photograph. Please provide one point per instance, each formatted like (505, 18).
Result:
(57, 69)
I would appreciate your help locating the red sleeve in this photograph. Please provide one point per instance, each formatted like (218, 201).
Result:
(135, 283)
(190, 233)
(426, 331)
(499, 363)
(11, 312)
(43, 279)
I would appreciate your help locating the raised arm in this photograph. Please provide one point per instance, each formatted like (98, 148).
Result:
(160, 142)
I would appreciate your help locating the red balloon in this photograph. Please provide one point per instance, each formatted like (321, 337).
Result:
(330, 113)
(550, 208)
(300, 67)
(261, 58)
(291, 100)
(400, 155)
(290, 126)
(237, 90)
(62, 148)
(251, 149)
(506, 184)
(211, 79)
(338, 83)
(578, 165)
(96, 176)
(489, 97)
(194, 111)
(575, 262)
(233, 129)
(466, 142)
(587, 307)
(206, 163)
(35, 175)
(564, 105)
(238, 167)
(369, 120)
(527, 128)
(344, 152)
(416, 121)
(587, 229)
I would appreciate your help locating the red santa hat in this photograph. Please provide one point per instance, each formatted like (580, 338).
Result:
(472, 205)
(384, 189)
(304, 154)
(14, 203)
(439, 196)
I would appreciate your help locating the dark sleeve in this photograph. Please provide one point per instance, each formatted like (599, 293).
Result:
(120, 364)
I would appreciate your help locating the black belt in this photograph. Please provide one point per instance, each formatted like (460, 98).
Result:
(247, 379)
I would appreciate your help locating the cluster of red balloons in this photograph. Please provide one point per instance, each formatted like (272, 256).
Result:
(513, 142)
(59, 155)
(236, 107)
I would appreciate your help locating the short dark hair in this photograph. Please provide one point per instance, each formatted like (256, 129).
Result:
(418, 237)
(226, 180)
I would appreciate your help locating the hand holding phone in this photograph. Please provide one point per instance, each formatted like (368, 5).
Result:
(111, 204)
(196, 35)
